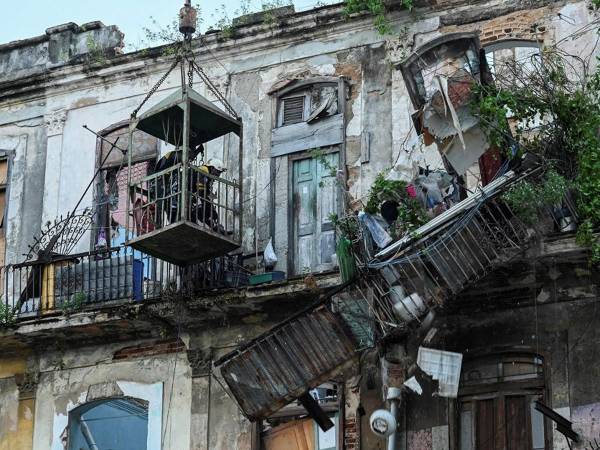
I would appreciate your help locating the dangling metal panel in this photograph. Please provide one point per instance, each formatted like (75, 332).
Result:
(286, 362)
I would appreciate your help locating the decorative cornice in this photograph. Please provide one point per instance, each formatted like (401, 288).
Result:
(27, 384)
(55, 122)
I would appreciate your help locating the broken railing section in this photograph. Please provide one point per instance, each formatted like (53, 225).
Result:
(297, 355)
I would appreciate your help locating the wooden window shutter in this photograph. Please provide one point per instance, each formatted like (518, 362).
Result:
(293, 110)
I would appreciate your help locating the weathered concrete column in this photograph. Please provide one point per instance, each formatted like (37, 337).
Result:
(54, 122)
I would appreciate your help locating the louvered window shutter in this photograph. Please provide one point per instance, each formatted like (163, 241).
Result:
(293, 110)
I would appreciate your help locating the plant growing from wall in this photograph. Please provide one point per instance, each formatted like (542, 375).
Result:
(554, 113)
(74, 303)
(7, 314)
(378, 9)
(96, 54)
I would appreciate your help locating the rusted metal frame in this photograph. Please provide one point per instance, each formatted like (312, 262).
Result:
(466, 257)
(340, 329)
(414, 286)
(451, 275)
(443, 242)
(489, 234)
(426, 289)
(307, 350)
(501, 226)
(258, 376)
(437, 267)
(484, 252)
(295, 370)
(381, 303)
(374, 310)
(298, 346)
(507, 220)
(450, 237)
(324, 298)
(469, 249)
(284, 374)
(320, 349)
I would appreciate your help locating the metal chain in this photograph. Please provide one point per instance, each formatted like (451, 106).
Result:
(215, 91)
(190, 74)
(156, 86)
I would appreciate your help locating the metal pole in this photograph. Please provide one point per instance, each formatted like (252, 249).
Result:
(128, 193)
(185, 154)
(240, 183)
(208, 409)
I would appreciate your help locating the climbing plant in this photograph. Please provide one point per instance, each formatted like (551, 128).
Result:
(553, 111)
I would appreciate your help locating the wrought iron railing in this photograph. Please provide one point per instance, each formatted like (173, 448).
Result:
(113, 276)
(210, 201)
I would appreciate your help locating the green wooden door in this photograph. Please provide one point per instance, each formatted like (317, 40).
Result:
(316, 197)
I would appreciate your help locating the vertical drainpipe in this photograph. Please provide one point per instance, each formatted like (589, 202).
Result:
(394, 396)
(87, 434)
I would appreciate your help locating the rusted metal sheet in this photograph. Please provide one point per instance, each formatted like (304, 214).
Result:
(284, 363)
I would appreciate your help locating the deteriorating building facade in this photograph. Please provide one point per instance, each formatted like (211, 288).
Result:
(486, 327)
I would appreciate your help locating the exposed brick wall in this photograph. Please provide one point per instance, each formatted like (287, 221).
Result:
(527, 25)
(146, 349)
(351, 437)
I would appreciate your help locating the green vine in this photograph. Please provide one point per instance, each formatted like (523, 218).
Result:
(526, 198)
(556, 117)
(377, 9)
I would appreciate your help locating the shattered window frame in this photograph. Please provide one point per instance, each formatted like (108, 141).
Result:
(511, 45)
(412, 68)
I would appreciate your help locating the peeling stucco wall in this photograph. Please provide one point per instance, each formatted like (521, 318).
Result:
(54, 159)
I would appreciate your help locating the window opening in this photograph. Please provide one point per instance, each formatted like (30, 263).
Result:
(497, 404)
(115, 424)
(293, 110)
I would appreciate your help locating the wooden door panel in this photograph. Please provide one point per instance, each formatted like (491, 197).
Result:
(295, 435)
(485, 432)
(516, 423)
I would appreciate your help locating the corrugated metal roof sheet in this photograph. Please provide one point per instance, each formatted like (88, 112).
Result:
(283, 364)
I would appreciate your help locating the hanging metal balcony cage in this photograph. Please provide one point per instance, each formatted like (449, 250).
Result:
(189, 208)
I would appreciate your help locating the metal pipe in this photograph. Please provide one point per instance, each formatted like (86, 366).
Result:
(87, 434)
(394, 396)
